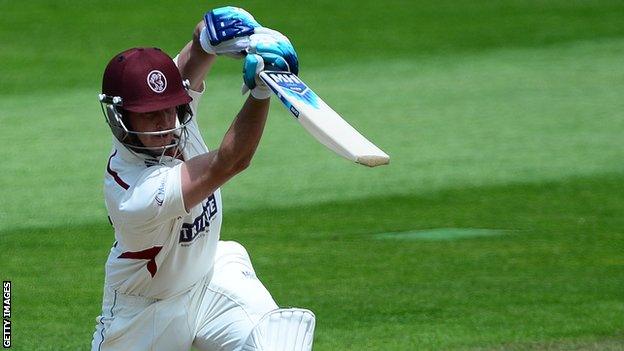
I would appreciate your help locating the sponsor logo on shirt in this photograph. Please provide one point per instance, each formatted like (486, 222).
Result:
(201, 223)
(160, 193)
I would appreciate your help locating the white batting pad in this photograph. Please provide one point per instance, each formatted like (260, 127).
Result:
(289, 329)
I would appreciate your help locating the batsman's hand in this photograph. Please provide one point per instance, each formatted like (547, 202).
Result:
(227, 31)
(268, 50)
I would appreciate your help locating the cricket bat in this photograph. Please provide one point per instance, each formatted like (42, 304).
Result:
(322, 121)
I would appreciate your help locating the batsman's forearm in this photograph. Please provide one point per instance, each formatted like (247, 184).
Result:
(203, 174)
(241, 140)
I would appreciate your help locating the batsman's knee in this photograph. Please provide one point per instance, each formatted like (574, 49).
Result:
(284, 329)
(231, 248)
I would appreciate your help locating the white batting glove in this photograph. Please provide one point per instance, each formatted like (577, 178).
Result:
(227, 31)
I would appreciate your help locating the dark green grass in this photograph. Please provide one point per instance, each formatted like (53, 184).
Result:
(55, 45)
(511, 115)
(498, 115)
(559, 275)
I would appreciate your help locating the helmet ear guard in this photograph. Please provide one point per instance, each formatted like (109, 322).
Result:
(186, 84)
(113, 114)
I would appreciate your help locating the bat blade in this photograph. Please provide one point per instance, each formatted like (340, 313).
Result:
(321, 121)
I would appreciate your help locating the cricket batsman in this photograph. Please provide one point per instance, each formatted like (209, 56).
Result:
(170, 283)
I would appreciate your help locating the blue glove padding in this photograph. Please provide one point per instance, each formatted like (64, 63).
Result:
(270, 62)
(250, 67)
(225, 23)
(269, 43)
(279, 58)
(276, 52)
(253, 65)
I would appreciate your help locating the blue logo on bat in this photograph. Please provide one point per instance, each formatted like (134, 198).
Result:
(294, 87)
(288, 81)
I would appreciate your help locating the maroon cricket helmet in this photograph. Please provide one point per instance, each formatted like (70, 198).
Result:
(146, 79)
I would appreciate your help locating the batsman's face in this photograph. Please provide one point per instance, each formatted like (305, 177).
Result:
(154, 122)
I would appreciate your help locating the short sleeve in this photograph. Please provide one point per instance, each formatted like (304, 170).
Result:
(156, 197)
(196, 96)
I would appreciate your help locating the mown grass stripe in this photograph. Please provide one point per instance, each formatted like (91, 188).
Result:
(440, 234)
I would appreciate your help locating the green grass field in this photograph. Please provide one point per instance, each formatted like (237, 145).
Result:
(497, 226)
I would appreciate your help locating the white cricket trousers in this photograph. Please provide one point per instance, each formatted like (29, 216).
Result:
(213, 315)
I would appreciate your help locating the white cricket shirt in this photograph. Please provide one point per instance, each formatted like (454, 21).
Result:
(161, 250)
